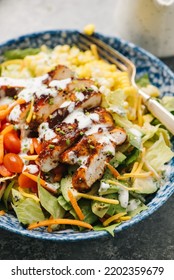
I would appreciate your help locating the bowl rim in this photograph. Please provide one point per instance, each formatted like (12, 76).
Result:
(59, 237)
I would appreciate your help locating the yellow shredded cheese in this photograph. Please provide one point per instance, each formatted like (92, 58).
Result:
(29, 117)
(113, 218)
(28, 157)
(98, 198)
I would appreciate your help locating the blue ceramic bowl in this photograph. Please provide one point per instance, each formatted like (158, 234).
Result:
(160, 75)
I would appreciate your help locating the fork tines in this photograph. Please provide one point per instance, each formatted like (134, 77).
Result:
(105, 51)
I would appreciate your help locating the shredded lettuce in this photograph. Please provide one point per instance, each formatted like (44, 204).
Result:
(110, 229)
(115, 101)
(168, 102)
(159, 154)
(7, 193)
(50, 203)
(19, 53)
(28, 211)
(145, 185)
(143, 81)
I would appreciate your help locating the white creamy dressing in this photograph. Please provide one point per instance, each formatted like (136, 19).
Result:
(65, 104)
(60, 84)
(74, 159)
(95, 128)
(84, 120)
(31, 168)
(45, 132)
(22, 83)
(25, 145)
(79, 95)
(38, 90)
(103, 187)
(15, 113)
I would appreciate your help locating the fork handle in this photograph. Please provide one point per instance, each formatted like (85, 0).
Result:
(161, 113)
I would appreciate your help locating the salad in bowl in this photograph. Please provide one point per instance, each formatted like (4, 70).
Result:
(79, 151)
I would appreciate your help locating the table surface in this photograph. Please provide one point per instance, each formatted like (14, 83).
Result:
(152, 238)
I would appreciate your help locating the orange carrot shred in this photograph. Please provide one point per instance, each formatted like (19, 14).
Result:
(32, 148)
(60, 222)
(113, 170)
(1, 148)
(7, 129)
(42, 182)
(2, 212)
(75, 205)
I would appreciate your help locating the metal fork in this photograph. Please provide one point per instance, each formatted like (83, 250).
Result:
(124, 64)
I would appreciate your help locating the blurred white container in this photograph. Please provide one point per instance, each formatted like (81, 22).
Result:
(147, 23)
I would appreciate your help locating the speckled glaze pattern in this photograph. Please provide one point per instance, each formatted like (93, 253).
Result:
(160, 75)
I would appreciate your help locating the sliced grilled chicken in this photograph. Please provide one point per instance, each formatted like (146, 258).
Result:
(60, 72)
(93, 163)
(68, 132)
(54, 95)
(77, 100)
(55, 142)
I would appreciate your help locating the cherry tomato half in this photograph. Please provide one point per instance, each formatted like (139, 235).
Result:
(13, 163)
(4, 172)
(25, 182)
(12, 142)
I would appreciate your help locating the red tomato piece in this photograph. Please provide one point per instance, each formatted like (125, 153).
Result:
(4, 172)
(13, 163)
(12, 142)
(25, 182)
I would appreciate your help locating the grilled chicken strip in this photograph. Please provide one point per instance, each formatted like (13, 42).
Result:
(65, 134)
(55, 96)
(99, 150)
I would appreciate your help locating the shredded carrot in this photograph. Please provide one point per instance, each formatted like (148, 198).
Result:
(7, 129)
(25, 194)
(4, 113)
(34, 178)
(49, 228)
(29, 117)
(99, 198)
(75, 206)
(113, 218)
(2, 212)
(31, 148)
(28, 157)
(1, 148)
(60, 222)
(113, 170)
(42, 182)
